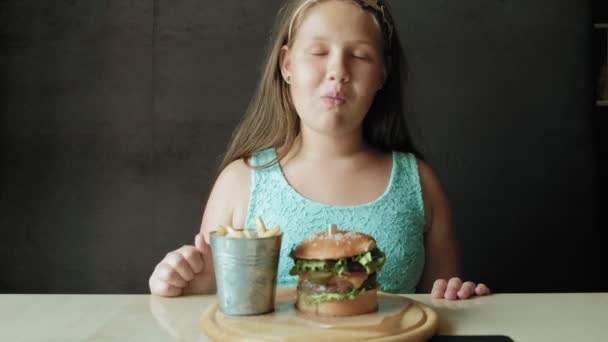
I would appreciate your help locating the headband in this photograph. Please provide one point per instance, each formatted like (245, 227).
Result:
(373, 4)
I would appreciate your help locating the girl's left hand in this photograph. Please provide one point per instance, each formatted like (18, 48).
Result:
(455, 289)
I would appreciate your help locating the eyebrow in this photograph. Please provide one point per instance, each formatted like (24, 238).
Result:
(354, 41)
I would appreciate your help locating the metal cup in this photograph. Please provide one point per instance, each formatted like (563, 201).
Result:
(246, 273)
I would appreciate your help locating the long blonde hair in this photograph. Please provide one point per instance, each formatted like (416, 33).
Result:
(271, 119)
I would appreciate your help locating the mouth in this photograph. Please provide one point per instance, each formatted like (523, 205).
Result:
(333, 99)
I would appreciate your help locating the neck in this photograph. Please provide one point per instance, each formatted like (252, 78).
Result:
(314, 146)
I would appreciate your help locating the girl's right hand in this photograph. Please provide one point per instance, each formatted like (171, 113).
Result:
(184, 270)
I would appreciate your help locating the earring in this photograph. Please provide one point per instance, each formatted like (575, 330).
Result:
(288, 79)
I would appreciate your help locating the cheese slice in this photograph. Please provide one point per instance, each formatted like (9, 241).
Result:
(357, 279)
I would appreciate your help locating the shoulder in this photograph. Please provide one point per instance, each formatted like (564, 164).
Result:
(234, 177)
(427, 175)
(229, 198)
(235, 170)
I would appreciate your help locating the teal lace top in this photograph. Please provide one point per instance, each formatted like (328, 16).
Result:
(395, 219)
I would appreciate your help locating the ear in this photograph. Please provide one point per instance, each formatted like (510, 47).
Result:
(284, 61)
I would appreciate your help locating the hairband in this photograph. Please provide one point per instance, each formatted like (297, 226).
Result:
(373, 4)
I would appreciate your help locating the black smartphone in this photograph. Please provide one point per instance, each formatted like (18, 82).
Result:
(470, 338)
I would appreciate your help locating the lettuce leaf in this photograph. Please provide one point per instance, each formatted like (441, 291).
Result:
(324, 297)
(340, 267)
(303, 266)
(372, 261)
(364, 258)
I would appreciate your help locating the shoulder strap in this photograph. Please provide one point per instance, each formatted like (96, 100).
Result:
(407, 178)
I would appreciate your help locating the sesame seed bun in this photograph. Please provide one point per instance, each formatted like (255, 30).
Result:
(341, 244)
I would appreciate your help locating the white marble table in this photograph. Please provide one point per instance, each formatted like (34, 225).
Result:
(523, 317)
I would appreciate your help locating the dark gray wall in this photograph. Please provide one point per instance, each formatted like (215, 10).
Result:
(114, 115)
(502, 103)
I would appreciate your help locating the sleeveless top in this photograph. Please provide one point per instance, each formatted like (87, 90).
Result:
(395, 219)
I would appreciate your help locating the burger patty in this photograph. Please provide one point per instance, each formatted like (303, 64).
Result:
(309, 287)
(339, 285)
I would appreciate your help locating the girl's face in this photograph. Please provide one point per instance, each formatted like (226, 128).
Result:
(336, 67)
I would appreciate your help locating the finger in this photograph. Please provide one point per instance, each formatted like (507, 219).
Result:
(194, 258)
(167, 274)
(439, 287)
(466, 290)
(199, 240)
(161, 288)
(176, 260)
(202, 246)
(482, 290)
(207, 256)
(454, 285)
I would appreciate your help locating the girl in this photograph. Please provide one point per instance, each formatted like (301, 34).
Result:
(324, 141)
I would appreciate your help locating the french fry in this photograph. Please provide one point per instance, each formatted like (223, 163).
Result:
(274, 231)
(262, 231)
(236, 234)
(260, 226)
(221, 231)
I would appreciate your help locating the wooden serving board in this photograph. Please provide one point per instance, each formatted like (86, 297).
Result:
(398, 319)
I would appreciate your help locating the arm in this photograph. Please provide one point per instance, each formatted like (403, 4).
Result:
(442, 254)
(227, 202)
(229, 199)
(189, 269)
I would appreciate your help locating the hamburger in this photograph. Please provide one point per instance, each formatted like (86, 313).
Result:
(337, 273)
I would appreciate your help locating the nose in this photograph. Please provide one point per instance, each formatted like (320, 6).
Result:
(338, 69)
